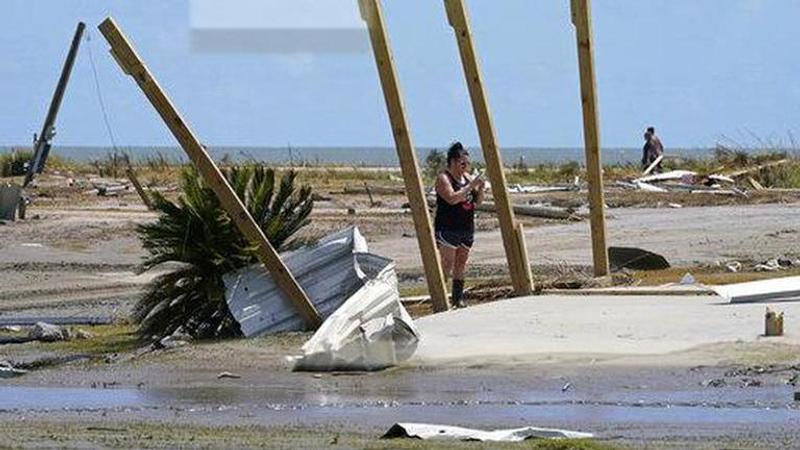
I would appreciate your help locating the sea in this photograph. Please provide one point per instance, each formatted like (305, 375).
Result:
(355, 156)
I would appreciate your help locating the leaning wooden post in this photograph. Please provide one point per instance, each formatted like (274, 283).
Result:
(372, 13)
(518, 264)
(132, 64)
(582, 19)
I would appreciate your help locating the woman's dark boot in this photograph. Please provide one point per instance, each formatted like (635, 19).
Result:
(458, 294)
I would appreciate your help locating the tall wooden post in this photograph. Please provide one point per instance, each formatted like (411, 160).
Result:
(132, 64)
(582, 19)
(518, 264)
(372, 13)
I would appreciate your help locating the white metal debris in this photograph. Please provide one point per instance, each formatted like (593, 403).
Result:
(775, 290)
(329, 272)
(10, 372)
(448, 433)
(370, 331)
(666, 176)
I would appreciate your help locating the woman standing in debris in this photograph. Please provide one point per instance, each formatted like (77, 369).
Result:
(456, 196)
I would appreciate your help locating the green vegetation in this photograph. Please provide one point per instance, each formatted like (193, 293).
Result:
(105, 339)
(150, 435)
(12, 164)
(196, 231)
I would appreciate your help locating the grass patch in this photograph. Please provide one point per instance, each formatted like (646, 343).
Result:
(148, 435)
(105, 339)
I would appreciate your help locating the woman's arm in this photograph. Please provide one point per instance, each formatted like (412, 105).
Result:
(450, 195)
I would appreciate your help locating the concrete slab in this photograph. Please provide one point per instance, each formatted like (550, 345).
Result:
(538, 328)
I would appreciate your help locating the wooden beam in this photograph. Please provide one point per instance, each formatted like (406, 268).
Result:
(132, 64)
(582, 19)
(372, 13)
(518, 264)
(136, 185)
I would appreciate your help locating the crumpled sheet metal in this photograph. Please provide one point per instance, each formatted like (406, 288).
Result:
(370, 331)
(329, 272)
(447, 433)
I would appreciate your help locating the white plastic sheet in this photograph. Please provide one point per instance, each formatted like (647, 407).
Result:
(448, 433)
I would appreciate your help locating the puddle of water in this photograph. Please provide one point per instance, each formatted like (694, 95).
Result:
(27, 398)
(280, 405)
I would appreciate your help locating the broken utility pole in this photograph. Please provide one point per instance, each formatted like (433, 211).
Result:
(518, 264)
(371, 12)
(41, 146)
(582, 19)
(132, 64)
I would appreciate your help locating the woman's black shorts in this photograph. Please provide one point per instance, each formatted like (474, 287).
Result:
(455, 239)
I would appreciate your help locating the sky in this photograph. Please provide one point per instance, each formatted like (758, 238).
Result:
(699, 71)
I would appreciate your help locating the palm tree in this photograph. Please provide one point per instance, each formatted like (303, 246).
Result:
(197, 232)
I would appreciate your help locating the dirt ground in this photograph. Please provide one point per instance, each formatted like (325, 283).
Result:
(77, 256)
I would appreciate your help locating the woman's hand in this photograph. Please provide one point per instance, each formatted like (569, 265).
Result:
(477, 184)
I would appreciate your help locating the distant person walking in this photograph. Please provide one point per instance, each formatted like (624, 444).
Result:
(456, 196)
(653, 148)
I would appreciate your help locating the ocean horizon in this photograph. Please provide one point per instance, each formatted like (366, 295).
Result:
(355, 156)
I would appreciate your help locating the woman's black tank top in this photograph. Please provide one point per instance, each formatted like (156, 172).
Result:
(458, 217)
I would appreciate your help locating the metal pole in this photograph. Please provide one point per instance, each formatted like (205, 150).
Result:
(42, 144)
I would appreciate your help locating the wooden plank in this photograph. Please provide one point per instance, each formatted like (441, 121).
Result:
(132, 64)
(372, 13)
(518, 264)
(136, 185)
(756, 185)
(522, 248)
(581, 18)
(652, 165)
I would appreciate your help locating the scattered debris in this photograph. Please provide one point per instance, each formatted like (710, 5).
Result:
(635, 259)
(769, 266)
(756, 169)
(449, 433)
(716, 383)
(11, 372)
(653, 165)
(566, 387)
(83, 334)
(170, 342)
(46, 332)
(370, 331)
(533, 189)
(774, 290)
(773, 323)
(733, 267)
(110, 190)
(547, 212)
(77, 320)
(228, 375)
(10, 329)
(688, 279)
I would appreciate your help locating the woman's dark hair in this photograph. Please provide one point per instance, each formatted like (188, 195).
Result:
(456, 151)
